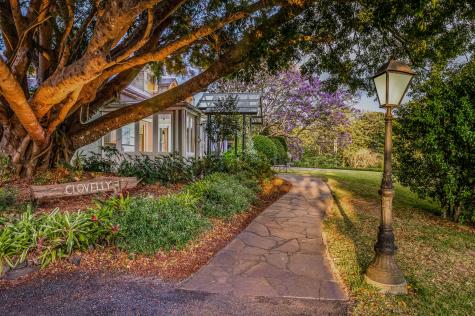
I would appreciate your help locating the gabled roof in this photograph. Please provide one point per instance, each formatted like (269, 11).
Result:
(166, 82)
(136, 93)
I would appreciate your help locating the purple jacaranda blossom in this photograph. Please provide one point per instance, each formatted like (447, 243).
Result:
(293, 102)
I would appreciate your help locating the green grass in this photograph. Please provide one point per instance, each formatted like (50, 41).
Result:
(8, 198)
(436, 256)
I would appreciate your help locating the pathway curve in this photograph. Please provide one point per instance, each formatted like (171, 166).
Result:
(280, 254)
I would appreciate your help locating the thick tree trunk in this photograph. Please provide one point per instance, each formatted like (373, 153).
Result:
(27, 158)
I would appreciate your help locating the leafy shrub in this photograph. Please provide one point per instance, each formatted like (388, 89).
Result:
(105, 161)
(319, 161)
(148, 225)
(7, 198)
(254, 164)
(266, 147)
(281, 147)
(221, 195)
(249, 180)
(6, 169)
(227, 162)
(362, 158)
(171, 168)
(166, 169)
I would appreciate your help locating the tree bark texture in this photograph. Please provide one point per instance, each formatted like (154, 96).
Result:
(93, 53)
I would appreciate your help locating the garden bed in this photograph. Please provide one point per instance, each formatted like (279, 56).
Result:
(173, 264)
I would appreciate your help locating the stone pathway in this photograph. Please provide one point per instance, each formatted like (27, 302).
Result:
(280, 254)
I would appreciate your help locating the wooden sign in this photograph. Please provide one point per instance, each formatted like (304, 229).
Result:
(93, 186)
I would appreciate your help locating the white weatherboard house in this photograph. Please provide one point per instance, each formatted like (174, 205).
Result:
(177, 129)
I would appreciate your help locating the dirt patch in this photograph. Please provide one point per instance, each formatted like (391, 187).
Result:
(155, 190)
(173, 265)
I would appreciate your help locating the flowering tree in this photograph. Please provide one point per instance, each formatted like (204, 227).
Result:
(293, 103)
(83, 52)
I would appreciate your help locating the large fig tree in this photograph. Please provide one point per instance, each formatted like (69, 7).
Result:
(82, 52)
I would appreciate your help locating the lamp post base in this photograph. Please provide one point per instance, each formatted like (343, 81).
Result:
(388, 288)
(384, 273)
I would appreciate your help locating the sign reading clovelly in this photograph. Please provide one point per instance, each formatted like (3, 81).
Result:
(93, 186)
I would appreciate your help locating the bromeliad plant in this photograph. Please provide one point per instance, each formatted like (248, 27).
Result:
(58, 234)
(49, 237)
(138, 225)
(16, 240)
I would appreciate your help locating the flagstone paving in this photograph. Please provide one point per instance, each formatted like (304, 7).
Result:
(280, 254)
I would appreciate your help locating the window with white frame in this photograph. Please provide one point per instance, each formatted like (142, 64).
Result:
(128, 138)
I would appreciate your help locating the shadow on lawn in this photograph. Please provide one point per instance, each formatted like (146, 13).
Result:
(363, 248)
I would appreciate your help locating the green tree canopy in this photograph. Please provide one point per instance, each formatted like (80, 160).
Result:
(435, 141)
(83, 52)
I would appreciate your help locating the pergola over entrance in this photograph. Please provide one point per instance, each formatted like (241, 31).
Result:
(247, 104)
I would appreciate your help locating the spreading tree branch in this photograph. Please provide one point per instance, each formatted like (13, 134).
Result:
(7, 28)
(226, 64)
(141, 42)
(63, 112)
(13, 93)
(18, 19)
(70, 49)
(192, 37)
(112, 23)
(69, 21)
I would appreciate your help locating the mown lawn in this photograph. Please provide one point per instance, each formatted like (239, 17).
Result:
(437, 256)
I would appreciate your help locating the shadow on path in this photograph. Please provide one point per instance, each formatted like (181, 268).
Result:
(280, 254)
(97, 294)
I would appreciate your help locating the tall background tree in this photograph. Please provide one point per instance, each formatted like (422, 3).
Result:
(83, 52)
(435, 141)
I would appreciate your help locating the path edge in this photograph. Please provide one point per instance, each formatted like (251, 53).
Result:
(334, 268)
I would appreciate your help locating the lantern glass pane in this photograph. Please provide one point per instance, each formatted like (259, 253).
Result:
(380, 83)
(398, 83)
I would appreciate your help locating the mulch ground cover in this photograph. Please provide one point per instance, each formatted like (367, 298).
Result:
(173, 265)
(74, 203)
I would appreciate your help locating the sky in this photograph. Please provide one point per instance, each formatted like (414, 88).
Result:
(365, 102)
(368, 103)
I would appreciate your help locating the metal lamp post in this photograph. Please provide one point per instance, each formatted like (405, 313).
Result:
(392, 81)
